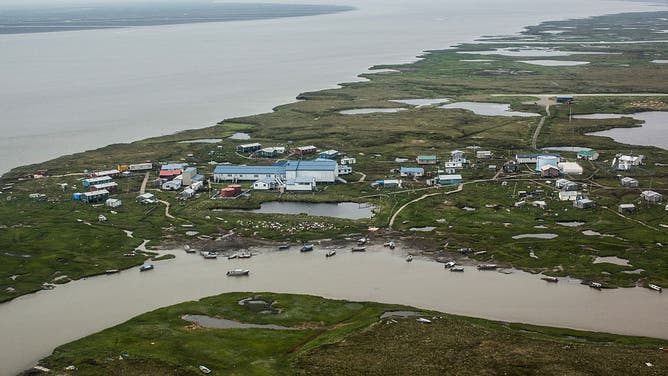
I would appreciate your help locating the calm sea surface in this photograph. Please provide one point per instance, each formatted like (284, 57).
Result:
(70, 91)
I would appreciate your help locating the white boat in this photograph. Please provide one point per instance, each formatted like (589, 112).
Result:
(112, 271)
(330, 253)
(362, 241)
(450, 264)
(204, 369)
(245, 255)
(145, 267)
(595, 285)
(409, 258)
(655, 287)
(232, 256)
(238, 272)
(422, 320)
(210, 255)
(359, 249)
(188, 249)
(457, 269)
(550, 279)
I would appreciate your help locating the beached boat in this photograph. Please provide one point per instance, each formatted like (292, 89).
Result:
(409, 258)
(450, 264)
(188, 249)
(595, 285)
(362, 241)
(655, 287)
(422, 320)
(210, 255)
(204, 369)
(389, 244)
(486, 266)
(457, 269)
(307, 248)
(359, 249)
(146, 267)
(330, 253)
(550, 279)
(238, 272)
(232, 256)
(244, 255)
(283, 247)
(112, 271)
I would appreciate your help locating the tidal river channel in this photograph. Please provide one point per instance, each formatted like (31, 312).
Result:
(33, 325)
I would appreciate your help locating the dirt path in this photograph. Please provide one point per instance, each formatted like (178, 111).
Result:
(166, 209)
(536, 133)
(631, 219)
(142, 190)
(460, 187)
(361, 178)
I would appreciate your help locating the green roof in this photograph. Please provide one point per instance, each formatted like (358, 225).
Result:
(427, 157)
(587, 152)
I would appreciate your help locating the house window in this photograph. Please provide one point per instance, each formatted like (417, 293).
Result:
(256, 176)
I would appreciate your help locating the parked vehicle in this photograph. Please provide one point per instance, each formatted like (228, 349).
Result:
(146, 267)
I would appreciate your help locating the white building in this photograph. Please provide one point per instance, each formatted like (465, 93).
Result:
(570, 168)
(483, 154)
(345, 170)
(300, 184)
(322, 170)
(172, 185)
(569, 195)
(265, 184)
(348, 161)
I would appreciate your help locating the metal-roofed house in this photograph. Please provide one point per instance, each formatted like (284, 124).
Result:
(426, 159)
(449, 179)
(584, 203)
(322, 170)
(629, 182)
(652, 196)
(246, 173)
(411, 172)
(95, 196)
(97, 180)
(300, 184)
(248, 148)
(329, 154)
(587, 155)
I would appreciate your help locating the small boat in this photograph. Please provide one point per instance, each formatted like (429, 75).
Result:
(238, 272)
(146, 267)
(307, 248)
(464, 250)
(283, 247)
(389, 244)
(204, 369)
(595, 285)
(450, 264)
(188, 249)
(112, 271)
(244, 255)
(486, 266)
(550, 279)
(422, 320)
(655, 287)
(232, 256)
(409, 258)
(457, 269)
(330, 253)
(362, 241)
(210, 255)
(359, 249)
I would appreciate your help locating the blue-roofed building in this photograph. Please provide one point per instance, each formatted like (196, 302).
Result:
(411, 172)
(449, 179)
(322, 170)
(329, 154)
(247, 173)
(173, 166)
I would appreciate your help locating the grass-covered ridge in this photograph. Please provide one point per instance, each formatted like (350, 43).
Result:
(347, 338)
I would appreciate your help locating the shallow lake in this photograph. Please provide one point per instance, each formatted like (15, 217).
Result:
(532, 52)
(488, 109)
(653, 132)
(360, 111)
(535, 236)
(34, 324)
(217, 323)
(421, 102)
(240, 136)
(202, 141)
(554, 63)
(348, 210)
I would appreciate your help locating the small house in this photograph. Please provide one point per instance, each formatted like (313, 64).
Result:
(112, 173)
(570, 168)
(265, 184)
(511, 168)
(172, 185)
(344, 170)
(561, 183)
(626, 208)
(113, 202)
(584, 203)
(449, 179)
(458, 156)
(111, 187)
(169, 174)
(629, 182)
(388, 183)
(95, 196)
(197, 186)
(545, 160)
(549, 171)
(300, 184)
(569, 196)
(173, 166)
(453, 165)
(187, 193)
(305, 150)
(483, 154)
(140, 166)
(525, 158)
(411, 172)
(271, 152)
(146, 198)
(426, 159)
(652, 196)
(587, 155)
(348, 161)
(539, 204)
(96, 180)
(248, 148)
(329, 154)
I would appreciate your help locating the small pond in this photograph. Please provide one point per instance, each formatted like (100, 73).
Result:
(554, 63)
(571, 223)
(566, 148)
(535, 236)
(398, 314)
(488, 109)
(240, 136)
(423, 229)
(348, 210)
(216, 323)
(532, 52)
(421, 102)
(360, 111)
(612, 260)
(659, 61)
(653, 132)
(202, 141)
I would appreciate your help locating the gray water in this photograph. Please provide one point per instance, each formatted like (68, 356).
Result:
(653, 132)
(72, 85)
(488, 109)
(34, 324)
(535, 236)
(348, 210)
(554, 63)
(361, 111)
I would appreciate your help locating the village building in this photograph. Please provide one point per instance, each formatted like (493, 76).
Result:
(172, 185)
(113, 203)
(266, 184)
(454, 165)
(271, 152)
(345, 170)
(587, 155)
(511, 167)
(305, 150)
(146, 198)
(112, 173)
(95, 196)
(449, 179)
(549, 171)
(546, 160)
(329, 154)
(169, 174)
(246, 173)
(97, 180)
(411, 172)
(187, 193)
(173, 166)
(584, 203)
(569, 195)
(570, 168)
(111, 187)
(627, 162)
(483, 154)
(529, 158)
(426, 159)
(347, 161)
(652, 196)
(300, 184)
(387, 183)
(322, 170)
(629, 182)
(458, 156)
(248, 148)
(188, 175)
(626, 208)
